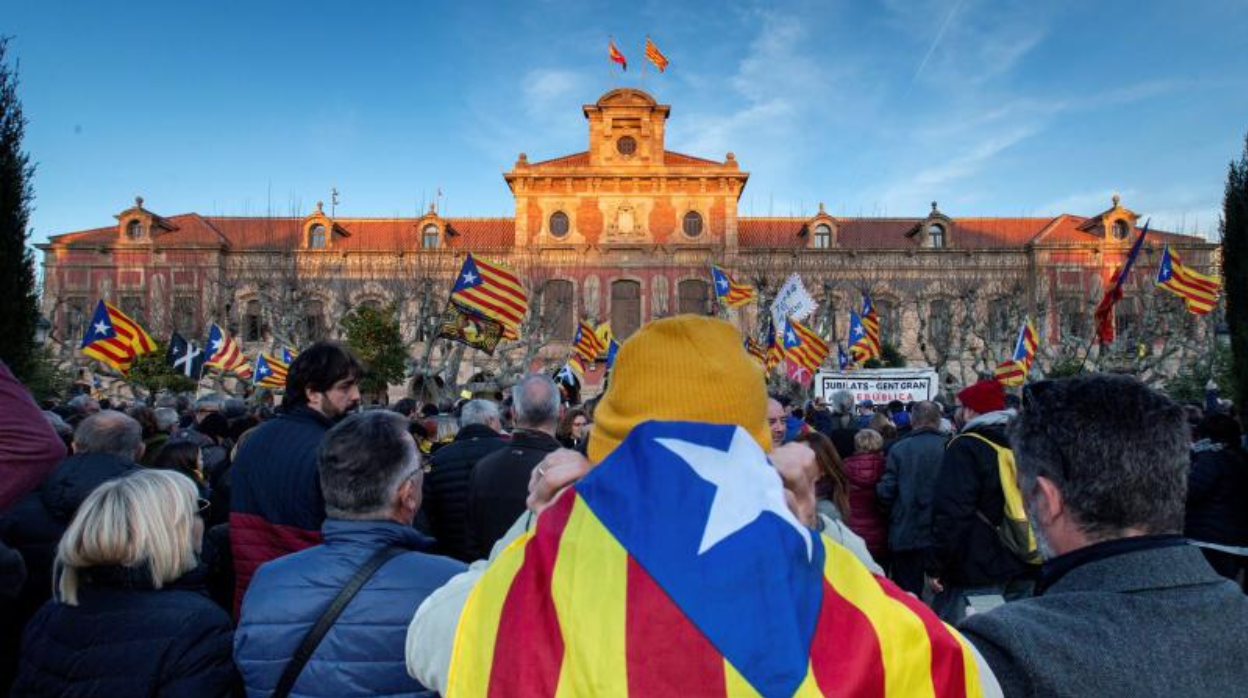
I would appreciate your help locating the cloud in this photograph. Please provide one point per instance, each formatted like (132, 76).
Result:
(542, 87)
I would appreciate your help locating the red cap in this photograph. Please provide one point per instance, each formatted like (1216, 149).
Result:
(983, 397)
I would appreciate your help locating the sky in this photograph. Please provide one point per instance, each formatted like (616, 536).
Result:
(990, 107)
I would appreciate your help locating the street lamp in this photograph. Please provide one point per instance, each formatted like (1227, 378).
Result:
(42, 329)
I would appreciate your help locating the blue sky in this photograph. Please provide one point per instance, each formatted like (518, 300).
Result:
(991, 107)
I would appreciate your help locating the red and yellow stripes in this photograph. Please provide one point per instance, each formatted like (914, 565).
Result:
(812, 351)
(1198, 291)
(566, 611)
(129, 341)
(500, 296)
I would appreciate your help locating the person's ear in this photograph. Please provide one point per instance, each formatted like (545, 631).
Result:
(1051, 504)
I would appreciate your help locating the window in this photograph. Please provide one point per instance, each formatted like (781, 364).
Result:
(557, 308)
(890, 321)
(693, 224)
(132, 306)
(559, 224)
(134, 230)
(1073, 319)
(184, 316)
(1121, 230)
(823, 237)
(625, 307)
(626, 146)
(999, 327)
(313, 320)
(940, 324)
(936, 236)
(430, 237)
(74, 318)
(316, 237)
(253, 324)
(693, 297)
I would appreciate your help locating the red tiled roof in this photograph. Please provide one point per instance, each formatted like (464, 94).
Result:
(1066, 230)
(672, 157)
(580, 159)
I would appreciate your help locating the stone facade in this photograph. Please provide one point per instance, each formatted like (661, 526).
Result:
(621, 232)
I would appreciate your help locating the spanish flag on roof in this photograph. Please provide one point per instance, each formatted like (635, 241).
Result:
(676, 569)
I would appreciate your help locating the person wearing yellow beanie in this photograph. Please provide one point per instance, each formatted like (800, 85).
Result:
(686, 368)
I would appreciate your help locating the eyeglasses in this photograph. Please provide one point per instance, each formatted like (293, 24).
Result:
(202, 506)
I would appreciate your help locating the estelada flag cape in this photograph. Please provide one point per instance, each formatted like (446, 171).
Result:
(675, 568)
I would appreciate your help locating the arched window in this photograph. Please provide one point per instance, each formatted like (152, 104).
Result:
(431, 240)
(1121, 230)
(75, 315)
(693, 224)
(558, 308)
(693, 297)
(890, 322)
(936, 236)
(1073, 318)
(940, 324)
(559, 224)
(625, 307)
(316, 237)
(134, 230)
(1000, 328)
(313, 320)
(823, 237)
(253, 324)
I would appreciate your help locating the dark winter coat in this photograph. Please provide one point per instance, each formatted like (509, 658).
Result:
(446, 488)
(125, 638)
(905, 491)
(363, 653)
(276, 505)
(864, 470)
(1217, 495)
(966, 550)
(499, 487)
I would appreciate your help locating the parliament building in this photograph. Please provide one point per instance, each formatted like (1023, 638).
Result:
(623, 231)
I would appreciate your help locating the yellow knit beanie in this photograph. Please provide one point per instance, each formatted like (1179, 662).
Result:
(687, 368)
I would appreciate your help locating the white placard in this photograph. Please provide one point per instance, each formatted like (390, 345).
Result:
(881, 385)
(792, 300)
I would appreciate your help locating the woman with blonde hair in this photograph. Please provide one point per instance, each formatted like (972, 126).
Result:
(128, 617)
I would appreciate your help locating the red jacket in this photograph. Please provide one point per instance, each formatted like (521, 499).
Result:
(865, 516)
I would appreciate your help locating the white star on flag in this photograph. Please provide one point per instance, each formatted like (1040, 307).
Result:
(216, 346)
(101, 328)
(723, 283)
(469, 278)
(746, 486)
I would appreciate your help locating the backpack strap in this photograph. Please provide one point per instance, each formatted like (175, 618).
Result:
(319, 629)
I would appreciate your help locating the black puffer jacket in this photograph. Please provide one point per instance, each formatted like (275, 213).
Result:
(1217, 495)
(966, 550)
(445, 503)
(500, 486)
(126, 639)
(906, 489)
(33, 527)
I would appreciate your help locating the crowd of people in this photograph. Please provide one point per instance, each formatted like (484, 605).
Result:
(1085, 537)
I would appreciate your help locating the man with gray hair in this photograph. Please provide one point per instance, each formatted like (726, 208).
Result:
(106, 445)
(450, 475)
(905, 494)
(500, 482)
(1124, 606)
(370, 473)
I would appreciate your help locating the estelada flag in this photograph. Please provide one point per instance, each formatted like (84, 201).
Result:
(271, 370)
(586, 343)
(225, 354)
(114, 338)
(470, 330)
(756, 350)
(775, 352)
(614, 54)
(655, 56)
(727, 289)
(492, 291)
(1014, 372)
(804, 352)
(1198, 291)
(676, 568)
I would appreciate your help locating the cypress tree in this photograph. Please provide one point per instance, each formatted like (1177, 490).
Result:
(19, 305)
(1235, 271)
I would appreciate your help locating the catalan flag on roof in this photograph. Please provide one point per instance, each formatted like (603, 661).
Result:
(655, 56)
(225, 354)
(731, 595)
(1198, 291)
(730, 291)
(1014, 372)
(493, 291)
(114, 338)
